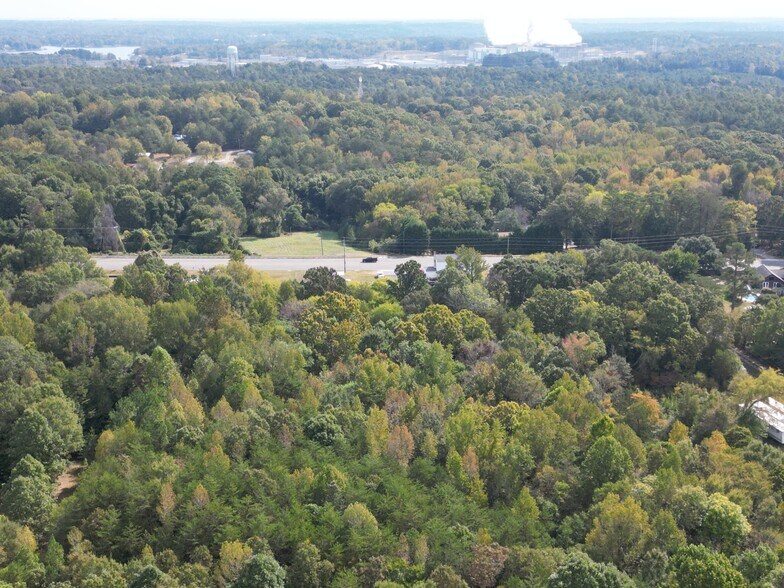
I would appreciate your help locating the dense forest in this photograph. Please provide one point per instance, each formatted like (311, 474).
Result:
(566, 418)
(639, 151)
(677, 34)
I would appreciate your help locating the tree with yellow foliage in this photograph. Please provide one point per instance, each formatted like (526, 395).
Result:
(748, 390)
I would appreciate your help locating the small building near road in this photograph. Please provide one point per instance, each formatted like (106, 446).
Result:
(771, 413)
(439, 265)
(772, 279)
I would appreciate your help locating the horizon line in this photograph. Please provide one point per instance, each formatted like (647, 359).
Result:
(217, 20)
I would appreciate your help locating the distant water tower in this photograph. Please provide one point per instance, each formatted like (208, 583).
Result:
(232, 58)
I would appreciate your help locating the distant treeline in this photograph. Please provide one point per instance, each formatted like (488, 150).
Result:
(204, 39)
(523, 59)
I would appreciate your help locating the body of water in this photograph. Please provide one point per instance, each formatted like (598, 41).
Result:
(120, 52)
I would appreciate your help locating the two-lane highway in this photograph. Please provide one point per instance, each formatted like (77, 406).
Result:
(194, 263)
(385, 264)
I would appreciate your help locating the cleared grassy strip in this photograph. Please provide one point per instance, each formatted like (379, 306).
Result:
(352, 276)
(300, 245)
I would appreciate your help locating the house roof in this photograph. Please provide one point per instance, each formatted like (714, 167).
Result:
(771, 412)
(765, 271)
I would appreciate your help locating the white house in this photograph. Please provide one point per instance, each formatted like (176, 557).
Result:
(439, 264)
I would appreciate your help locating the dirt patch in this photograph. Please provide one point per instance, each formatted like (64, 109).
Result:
(66, 483)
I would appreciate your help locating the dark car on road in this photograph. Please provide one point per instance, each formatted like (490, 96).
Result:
(369, 259)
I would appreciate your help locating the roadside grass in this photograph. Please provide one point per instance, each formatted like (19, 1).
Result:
(300, 245)
(352, 276)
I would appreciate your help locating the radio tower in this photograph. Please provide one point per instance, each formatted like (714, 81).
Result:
(232, 59)
(360, 89)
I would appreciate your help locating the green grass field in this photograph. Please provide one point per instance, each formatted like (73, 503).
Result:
(363, 277)
(316, 244)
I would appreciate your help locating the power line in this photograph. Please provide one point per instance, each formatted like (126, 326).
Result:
(486, 242)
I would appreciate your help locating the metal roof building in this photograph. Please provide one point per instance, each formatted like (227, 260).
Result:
(771, 412)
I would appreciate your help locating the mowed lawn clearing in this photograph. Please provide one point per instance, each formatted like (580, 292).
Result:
(367, 277)
(315, 244)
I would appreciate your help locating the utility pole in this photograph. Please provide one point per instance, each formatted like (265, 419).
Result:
(344, 257)
(507, 244)
(321, 239)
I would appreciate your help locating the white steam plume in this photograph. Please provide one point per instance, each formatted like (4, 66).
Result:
(521, 26)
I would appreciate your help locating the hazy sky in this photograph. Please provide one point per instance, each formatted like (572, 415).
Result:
(377, 10)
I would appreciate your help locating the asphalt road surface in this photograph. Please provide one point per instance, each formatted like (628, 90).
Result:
(385, 264)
